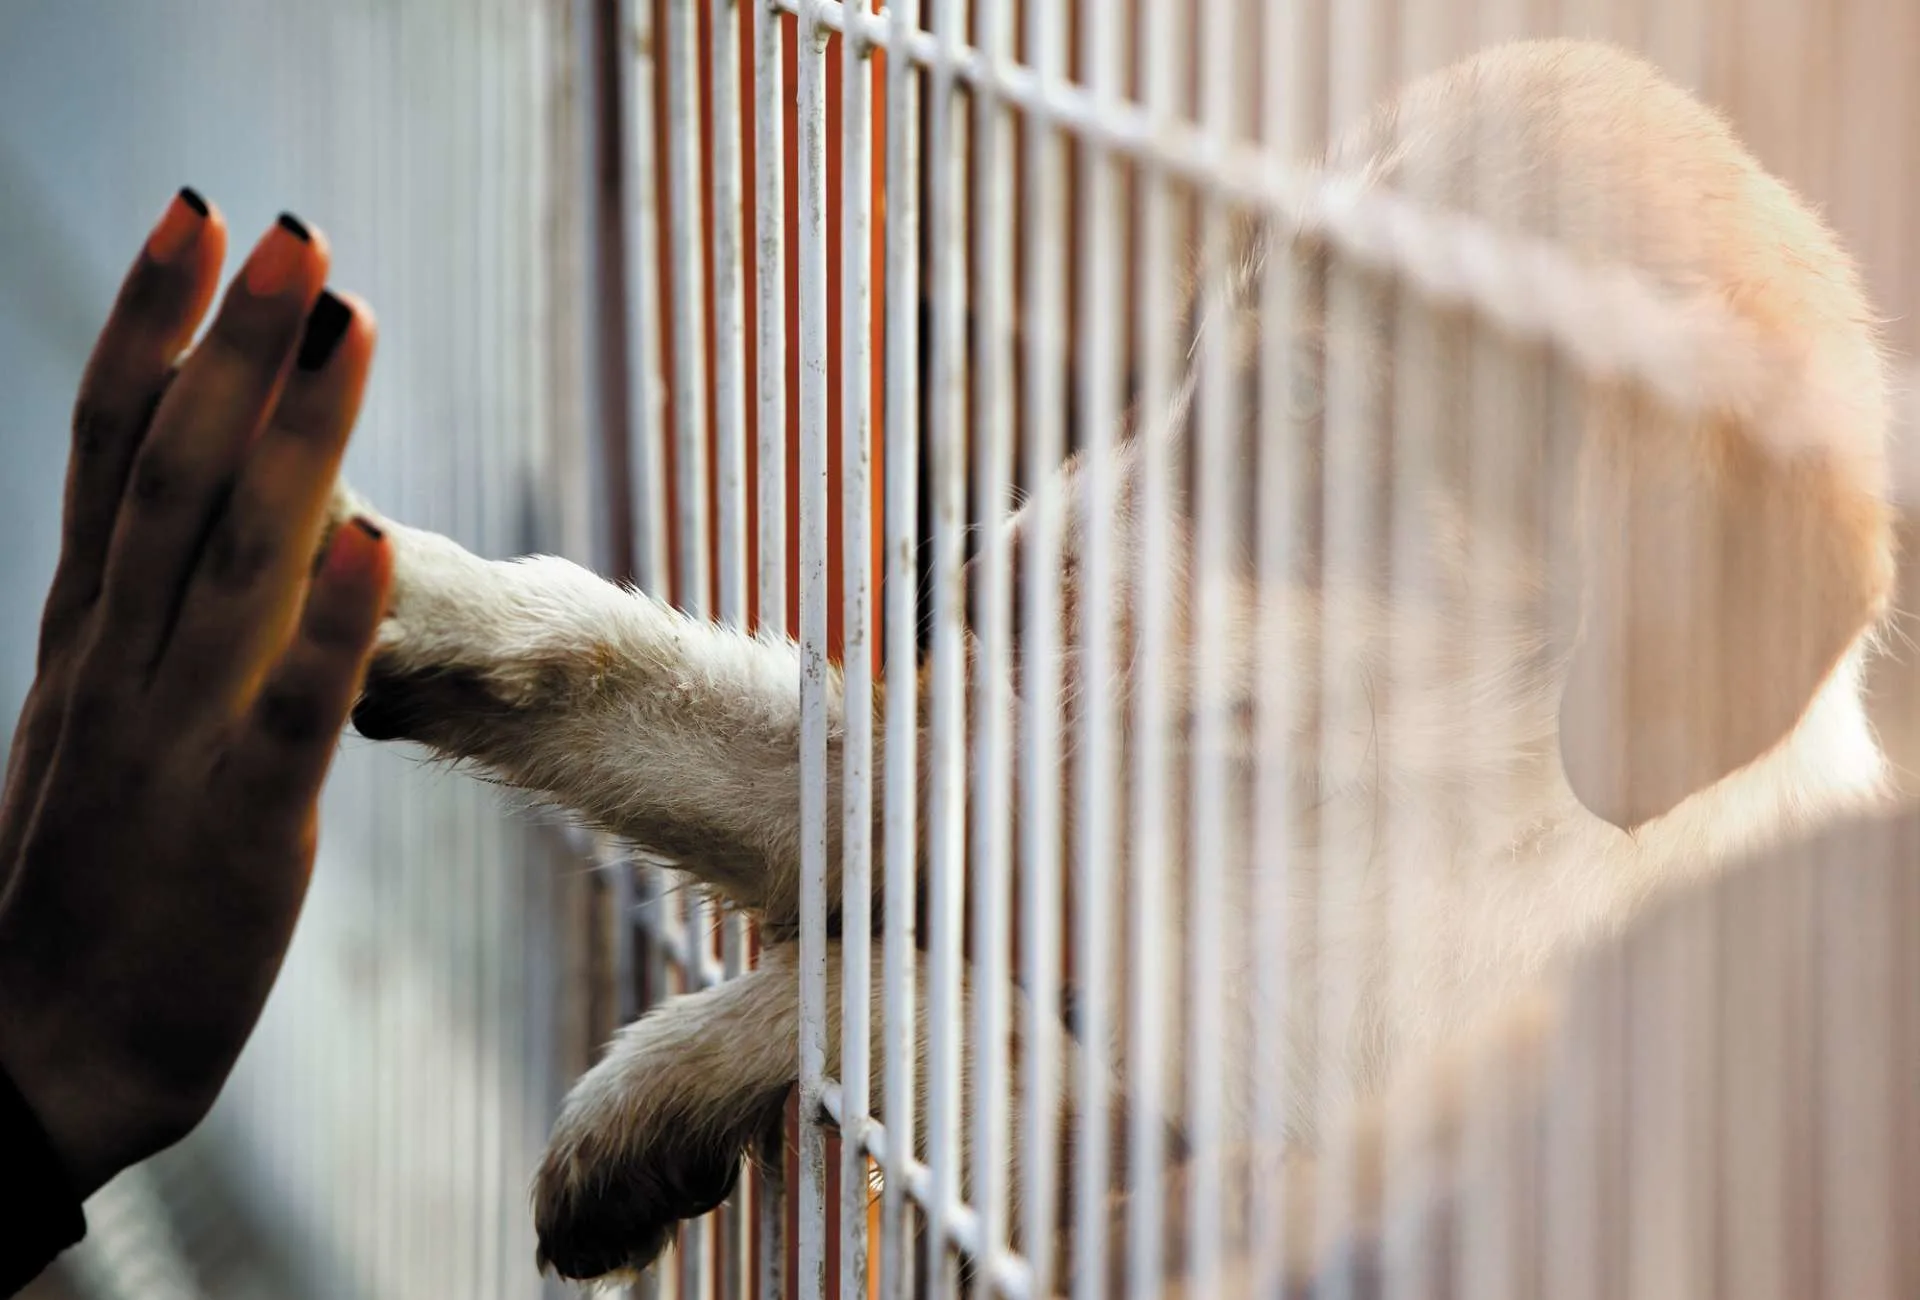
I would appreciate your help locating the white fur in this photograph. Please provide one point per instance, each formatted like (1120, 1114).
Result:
(1451, 800)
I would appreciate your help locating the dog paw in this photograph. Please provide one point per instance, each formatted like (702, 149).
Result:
(459, 645)
(443, 658)
(613, 1189)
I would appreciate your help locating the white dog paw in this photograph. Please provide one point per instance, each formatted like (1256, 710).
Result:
(621, 1172)
(448, 650)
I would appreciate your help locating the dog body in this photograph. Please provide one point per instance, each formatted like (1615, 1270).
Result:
(1600, 643)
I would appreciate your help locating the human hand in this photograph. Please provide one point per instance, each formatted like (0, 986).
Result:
(195, 669)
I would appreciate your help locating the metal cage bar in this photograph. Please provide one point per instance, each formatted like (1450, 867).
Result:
(948, 439)
(900, 840)
(856, 543)
(989, 838)
(770, 464)
(811, 185)
(1042, 424)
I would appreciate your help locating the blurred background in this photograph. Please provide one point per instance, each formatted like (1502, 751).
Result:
(378, 1138)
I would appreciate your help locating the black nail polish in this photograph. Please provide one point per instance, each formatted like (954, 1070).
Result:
(365, 525)
(295, 227)
(191, 197)
(326, 326)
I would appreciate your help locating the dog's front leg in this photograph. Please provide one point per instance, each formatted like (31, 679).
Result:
(679, 735)
(658, 1130)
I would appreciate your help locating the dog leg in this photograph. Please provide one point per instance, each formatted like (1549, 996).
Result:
(657, 1131)
(679, 735)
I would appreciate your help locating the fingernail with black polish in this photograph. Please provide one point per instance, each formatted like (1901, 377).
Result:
(295, 227)
(178, 229)
(326, 326)
(365, 525)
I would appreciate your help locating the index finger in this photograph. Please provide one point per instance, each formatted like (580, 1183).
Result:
(160, 304)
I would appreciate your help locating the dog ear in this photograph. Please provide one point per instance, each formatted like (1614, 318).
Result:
(1724, 582)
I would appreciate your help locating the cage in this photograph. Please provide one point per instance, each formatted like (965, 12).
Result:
(777, 309)
(976, 234)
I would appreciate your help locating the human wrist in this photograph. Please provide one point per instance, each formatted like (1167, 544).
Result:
(32, 1087)
(98, 1115)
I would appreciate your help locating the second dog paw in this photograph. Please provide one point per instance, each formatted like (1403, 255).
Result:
(610, 1194)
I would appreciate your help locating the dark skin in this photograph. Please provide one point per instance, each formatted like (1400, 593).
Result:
(195, 669)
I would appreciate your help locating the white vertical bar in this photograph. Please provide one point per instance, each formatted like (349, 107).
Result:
(856, 540)
(770, 324)
(770, 383)
(1151, 1079)
(1214, 864)
(902, 581)
(1349, 452)
(645, 385)
(729, 314)
(646, 425)
(770, 464)
(1094, 849)
(730, 436)
(688, 377)
(946, 804)
(686, 226)
(1043, 428)
(686, 259)
(992, 832)
(1285, 418)
(812, 186)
